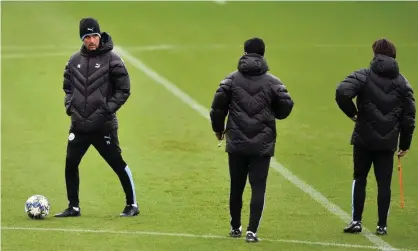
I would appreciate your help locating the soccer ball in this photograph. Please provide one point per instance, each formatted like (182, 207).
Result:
(37, 207)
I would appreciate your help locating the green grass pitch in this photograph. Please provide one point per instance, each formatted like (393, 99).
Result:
(181, 176)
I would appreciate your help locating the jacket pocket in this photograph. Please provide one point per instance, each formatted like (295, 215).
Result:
(69, 106)
(76, 118)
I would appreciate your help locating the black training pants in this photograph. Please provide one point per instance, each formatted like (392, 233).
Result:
(256, 168)
(383, 167)
(107, 144)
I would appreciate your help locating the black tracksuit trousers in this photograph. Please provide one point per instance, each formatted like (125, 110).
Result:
(256, 167)
(383, 167)
(107, 144)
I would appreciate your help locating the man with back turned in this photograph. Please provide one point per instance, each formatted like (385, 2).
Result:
(384, 123)
(253, 99)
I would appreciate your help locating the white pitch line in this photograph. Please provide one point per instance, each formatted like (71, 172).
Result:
(5, 48)
(181, 47)
(220, 1)
(151, 47)
(10, 54)
(35, 55)
(68, 53)
(316, 195)
(38, 47)
(149, 233)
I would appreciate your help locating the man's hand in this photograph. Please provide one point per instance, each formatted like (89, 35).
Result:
(68, 110)
(402, 153)
(219, 135)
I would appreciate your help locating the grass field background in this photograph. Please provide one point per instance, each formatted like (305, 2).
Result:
(181, 176)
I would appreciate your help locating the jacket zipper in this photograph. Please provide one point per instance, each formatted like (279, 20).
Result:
(85, 84)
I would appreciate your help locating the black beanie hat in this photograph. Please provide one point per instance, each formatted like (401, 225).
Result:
(255, 45)
(89, 26)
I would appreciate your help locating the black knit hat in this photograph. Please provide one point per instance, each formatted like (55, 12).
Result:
(255, 45)
(89, 26)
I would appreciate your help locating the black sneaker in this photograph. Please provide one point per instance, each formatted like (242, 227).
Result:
(353, 227)
(235, 233)
(381, 230)
(70, 212)
(130, 210)
(251, 237)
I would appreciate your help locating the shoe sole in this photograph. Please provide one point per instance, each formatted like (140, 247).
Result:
(352, 231)
(129, 215)
(60, 216)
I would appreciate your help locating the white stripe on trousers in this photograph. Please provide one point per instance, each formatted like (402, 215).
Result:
(128, 171)
(352, 199)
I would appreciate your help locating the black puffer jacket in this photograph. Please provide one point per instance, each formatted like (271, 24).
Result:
(96, 85)
(385, 105)
(254, 99)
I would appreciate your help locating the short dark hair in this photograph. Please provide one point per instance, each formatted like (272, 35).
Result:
(255, 45)
(384, 47)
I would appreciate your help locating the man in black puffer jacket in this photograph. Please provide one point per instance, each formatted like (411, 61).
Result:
(254, 99)
(96, 84)
(385, 112)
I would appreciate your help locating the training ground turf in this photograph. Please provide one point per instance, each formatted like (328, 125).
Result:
(181, 176)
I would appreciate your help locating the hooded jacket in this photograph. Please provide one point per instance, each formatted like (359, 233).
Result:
(96, 85)
(385, 105)
(253, 99)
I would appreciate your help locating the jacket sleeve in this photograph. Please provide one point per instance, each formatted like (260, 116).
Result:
(407, 119)
(220, 105)
(348, 89)
(67, 87)
(121, 84)
(282, 102)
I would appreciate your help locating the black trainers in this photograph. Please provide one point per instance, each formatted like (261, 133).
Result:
(70, 212)
(381, 230)
(130, 210)
(353, 227)
(235, 233)
(251, 237)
